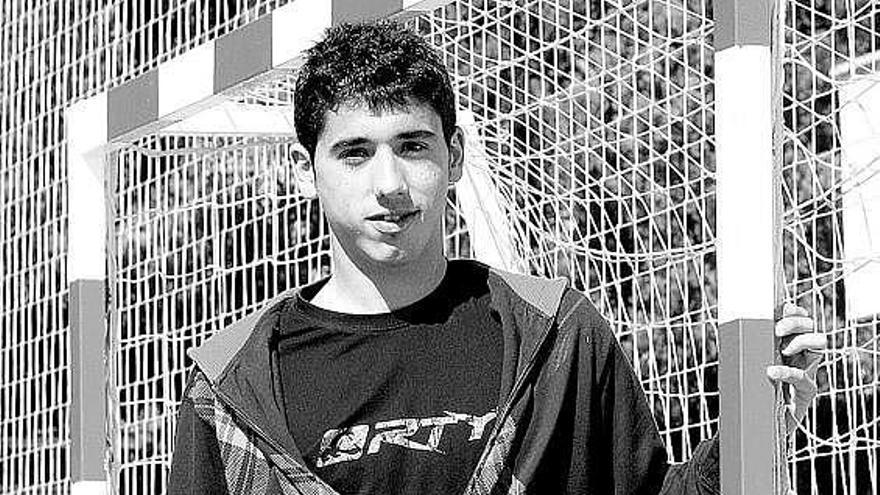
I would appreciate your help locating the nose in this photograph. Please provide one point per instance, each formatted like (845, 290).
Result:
(388, 178)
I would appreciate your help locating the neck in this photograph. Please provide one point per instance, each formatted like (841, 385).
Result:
(369, 288)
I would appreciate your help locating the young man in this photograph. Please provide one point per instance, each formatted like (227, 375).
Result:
(404, 372)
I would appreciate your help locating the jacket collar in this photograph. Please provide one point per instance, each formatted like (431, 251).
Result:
(541, 293)
(237, 361)
(215, 355)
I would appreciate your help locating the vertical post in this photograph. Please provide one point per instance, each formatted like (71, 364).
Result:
(748, 237)
(86, 256)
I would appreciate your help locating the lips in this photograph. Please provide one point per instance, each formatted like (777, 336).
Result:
(393, 216)
(392, 222)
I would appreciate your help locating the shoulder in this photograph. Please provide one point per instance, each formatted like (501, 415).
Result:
(537, 293)
(551, 297)
(214, 355)
(576, 308)
(578, 313)
(200, 395)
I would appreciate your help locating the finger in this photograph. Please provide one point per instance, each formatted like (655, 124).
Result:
(791, 309)
(787, 374)
(804, 386)
(793, 325)
(806, 342)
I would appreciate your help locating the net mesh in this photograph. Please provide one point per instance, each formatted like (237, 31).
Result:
(829, 130)
(593, 121)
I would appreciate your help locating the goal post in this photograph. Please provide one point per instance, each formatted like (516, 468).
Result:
(748, 238)
(86, 256)
(203, 100)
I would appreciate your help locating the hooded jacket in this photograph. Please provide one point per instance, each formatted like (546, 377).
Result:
(572, 415)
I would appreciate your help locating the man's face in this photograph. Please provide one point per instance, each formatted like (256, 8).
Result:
(382, 180)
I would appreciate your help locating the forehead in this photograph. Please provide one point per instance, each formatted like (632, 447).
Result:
(355, 121)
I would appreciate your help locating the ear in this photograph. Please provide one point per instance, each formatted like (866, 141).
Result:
(303, 170)
(456, 155)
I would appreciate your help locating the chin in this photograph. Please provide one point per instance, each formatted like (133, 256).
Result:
(385, 255)
(388, 253)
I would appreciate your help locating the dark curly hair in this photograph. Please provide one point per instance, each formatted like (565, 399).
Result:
(381, 64)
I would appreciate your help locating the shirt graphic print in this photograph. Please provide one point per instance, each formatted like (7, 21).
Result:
(425, 434)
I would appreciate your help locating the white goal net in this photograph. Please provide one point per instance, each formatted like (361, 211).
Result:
(591, 156)
(828, 54)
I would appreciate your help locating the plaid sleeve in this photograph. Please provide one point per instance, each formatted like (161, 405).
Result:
(212, 453)
(196, 464)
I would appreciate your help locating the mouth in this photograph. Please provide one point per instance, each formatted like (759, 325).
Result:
(393, 222)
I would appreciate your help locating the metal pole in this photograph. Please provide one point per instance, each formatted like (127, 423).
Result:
(86, 261)
(748, 238)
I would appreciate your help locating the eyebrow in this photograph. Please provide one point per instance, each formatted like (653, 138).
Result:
(419, 134)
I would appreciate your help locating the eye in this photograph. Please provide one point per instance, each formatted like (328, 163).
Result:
(412, 147)
(353, 155)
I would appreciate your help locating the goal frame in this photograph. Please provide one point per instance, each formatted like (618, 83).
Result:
(181, 92)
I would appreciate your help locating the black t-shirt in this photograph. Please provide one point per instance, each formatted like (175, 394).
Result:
(401, 402)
